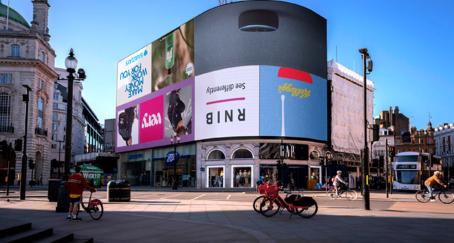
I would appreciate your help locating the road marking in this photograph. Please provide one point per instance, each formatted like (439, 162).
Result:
(228, 197)
(195, 198)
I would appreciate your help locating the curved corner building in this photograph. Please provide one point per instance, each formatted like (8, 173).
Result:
(228, 95)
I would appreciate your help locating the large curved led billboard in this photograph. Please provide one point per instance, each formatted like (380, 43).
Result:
(246, 69)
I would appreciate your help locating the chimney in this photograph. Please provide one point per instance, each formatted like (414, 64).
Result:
(40, 18)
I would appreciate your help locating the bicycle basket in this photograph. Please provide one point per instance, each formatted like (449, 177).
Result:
(272, 191)
(262, 188)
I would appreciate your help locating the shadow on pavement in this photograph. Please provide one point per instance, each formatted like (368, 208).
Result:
(237, 226)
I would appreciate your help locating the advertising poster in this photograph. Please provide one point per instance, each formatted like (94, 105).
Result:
(178, 112)
(227, 103)
(152, 120)
(128, 126)
(293, 103)
(173, 57)
(134, 76)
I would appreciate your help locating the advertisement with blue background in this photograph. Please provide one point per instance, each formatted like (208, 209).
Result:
(293, 103)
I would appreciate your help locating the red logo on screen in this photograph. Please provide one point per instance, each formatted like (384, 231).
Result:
(291, 73)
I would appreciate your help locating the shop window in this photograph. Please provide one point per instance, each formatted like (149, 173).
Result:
(242, 176)
(242, 154)
(215, 178)
(216, 155)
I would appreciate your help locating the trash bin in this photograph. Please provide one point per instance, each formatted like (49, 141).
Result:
(118, 191)
(52, 192)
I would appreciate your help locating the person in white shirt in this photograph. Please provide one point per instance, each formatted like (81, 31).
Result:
(337, 181)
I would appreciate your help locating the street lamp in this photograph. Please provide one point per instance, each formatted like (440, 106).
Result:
(174, 140)
(23, 177)
(367, 69)
(71, 65)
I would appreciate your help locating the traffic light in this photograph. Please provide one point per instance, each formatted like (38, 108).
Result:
(31, 164)
(375, 132)
(392, 152)
(18, 145)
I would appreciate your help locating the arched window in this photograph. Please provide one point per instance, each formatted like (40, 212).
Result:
(15, 50)
(5, 112)
(40, 112)
(216, 155)
(242, 154)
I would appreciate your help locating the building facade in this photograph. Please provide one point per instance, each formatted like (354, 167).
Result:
(109, 133)
(421, 141)
(444, 147)
(347, 115)
(227, 109)
(93, 130)
(26, 58)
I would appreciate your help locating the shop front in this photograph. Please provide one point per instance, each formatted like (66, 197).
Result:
(164, 171)
(136, 167)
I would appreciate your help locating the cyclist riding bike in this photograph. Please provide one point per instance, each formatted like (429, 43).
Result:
(432, 181)
(337, 182)
(75, 186)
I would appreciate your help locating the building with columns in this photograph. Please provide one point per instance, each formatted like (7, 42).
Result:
(27, 58)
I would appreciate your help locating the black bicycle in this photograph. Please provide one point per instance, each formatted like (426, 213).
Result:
(443, 195)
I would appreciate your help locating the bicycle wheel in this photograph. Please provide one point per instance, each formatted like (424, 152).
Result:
(308, 212)
(351, 195)
(422, 196)
(446, 197)
(257, 202)
(269, 207)
(95, 209)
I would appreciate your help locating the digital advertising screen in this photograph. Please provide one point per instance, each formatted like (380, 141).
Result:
(227, 103)
(134, 76)
(293, 103)
(153, 119)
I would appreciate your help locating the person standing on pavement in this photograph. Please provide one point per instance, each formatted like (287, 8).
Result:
(75, 187)
(432, 181)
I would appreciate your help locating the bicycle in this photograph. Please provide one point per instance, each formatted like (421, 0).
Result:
(295, 204)
(343, 192)
(443, 195)
(94, 207)
(258, 201)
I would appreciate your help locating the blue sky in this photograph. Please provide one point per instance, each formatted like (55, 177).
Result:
(410, 41)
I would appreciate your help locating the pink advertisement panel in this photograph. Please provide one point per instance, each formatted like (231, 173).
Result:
(152, 120)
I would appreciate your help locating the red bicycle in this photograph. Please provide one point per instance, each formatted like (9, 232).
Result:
(94, 207)
(259, 200)
(273, 203)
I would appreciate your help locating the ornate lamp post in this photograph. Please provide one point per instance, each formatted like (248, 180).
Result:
(23, 177)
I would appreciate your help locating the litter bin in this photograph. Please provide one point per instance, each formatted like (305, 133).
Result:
(118, 191)
(52, 192)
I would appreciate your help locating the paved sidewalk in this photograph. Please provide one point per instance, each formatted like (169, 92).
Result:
(166, 217)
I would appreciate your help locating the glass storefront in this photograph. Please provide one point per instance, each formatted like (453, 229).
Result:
(163, 173)
(295, 176)
(215, 177)
(242, 176)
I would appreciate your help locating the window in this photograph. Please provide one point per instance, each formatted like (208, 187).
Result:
(215, 177)
(242, 176)
(43, 56)
(444, 145)
(242, 154)
(6, 78)
(40, 113)
(56, 95)
(54, 117)
(55, 106)
(5, 111)
(449, 144)
(216, 155)
(15, 50)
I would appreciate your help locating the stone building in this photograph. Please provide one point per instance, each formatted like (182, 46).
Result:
(26, 58)
(444, 147)
(60, 95)
(420, 141)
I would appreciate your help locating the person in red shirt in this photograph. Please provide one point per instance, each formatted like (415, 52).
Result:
(75, 187)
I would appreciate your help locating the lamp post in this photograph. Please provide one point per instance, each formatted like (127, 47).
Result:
(174, 140)
(59, 153)
(23, 177)
(367, 67)
(71, 65)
